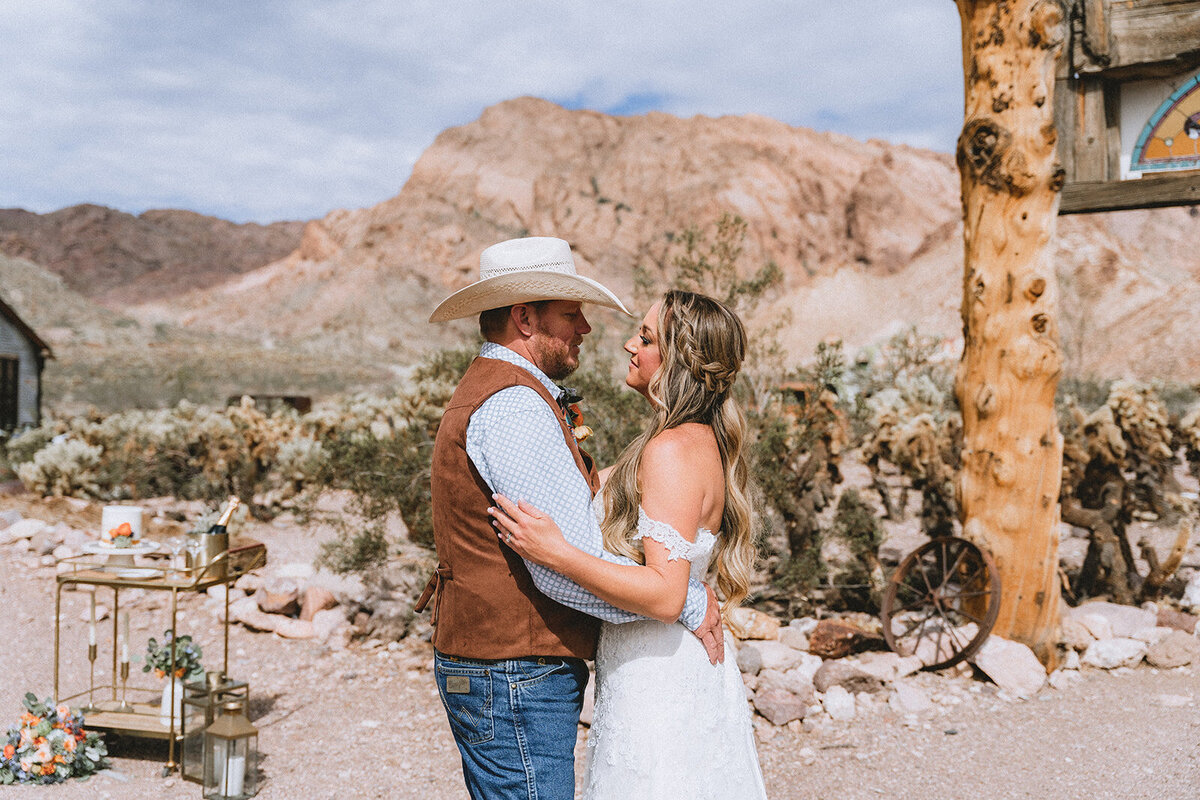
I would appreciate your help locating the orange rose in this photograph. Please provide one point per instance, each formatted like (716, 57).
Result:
(48, 769)
(9, 751)
(69, 744)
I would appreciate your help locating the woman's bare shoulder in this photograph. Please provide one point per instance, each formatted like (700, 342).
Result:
(690, 444)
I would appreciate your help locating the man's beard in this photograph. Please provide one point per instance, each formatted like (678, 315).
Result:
(553, 356)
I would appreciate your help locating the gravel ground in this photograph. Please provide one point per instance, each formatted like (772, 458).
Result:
(366, 723)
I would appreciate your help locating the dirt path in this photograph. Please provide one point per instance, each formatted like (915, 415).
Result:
(361, 723)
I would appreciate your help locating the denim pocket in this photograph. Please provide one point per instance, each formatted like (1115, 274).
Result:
(533, 672)
(466, 692)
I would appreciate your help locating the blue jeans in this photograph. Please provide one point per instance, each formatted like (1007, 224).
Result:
(515, 722)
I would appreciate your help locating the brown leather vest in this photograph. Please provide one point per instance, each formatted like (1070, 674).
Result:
(486, 604)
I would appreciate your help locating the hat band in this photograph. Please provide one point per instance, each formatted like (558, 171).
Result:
(553, 266)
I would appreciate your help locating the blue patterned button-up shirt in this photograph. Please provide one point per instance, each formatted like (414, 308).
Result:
(516, 443)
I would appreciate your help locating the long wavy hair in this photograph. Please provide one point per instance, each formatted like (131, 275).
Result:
(702, 343)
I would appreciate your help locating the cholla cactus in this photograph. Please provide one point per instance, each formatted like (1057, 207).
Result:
(65, 467)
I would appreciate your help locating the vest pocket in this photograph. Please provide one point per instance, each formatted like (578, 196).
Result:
(467, 694)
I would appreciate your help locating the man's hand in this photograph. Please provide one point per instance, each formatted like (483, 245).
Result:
(710, 633)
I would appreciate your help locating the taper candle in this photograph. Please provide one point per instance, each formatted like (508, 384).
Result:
(125, 637)
(92, 623)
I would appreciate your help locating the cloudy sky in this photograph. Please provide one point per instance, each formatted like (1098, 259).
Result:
(261, 110)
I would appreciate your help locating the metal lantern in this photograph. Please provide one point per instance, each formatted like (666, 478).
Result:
(201, 701)
(230, 755)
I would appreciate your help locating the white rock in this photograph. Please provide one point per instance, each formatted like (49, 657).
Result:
(908, 698)
(1191, 595)
(8, 516)
(809, 664)
(326, 622)
(1125, 621)
(23, 529)
(776, 655)
(61, 552)
(805, 625)
(839, 704)
(1012, 666)
(1115, 653)
(794, 681)
(1096, 625)
(1152, 636)
(1072, 660)
(793, 638)
(883, 666)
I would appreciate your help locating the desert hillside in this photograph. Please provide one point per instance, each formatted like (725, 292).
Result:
(867, 234)
(116, 257)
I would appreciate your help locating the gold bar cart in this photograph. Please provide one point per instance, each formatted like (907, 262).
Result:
(142, 719)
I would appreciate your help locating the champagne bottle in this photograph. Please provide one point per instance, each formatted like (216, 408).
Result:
(221, 525)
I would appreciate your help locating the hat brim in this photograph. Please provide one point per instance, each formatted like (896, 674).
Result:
(524, 287)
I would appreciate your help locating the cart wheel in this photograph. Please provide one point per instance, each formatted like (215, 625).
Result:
(941, 602)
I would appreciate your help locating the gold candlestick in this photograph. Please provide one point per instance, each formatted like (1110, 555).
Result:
(91, 706)
(125, 706)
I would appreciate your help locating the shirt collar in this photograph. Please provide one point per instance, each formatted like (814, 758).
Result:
(502, 353)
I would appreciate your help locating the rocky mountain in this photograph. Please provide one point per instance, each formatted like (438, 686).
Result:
(116, 257)
(867, 233)
(868, 236)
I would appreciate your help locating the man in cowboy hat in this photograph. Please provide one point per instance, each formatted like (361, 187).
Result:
(512, 637)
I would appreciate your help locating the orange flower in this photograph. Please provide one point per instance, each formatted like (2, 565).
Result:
(69, 743)
(9, 751)
(48, 769)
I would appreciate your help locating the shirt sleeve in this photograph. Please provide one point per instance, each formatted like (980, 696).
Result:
(516, 443)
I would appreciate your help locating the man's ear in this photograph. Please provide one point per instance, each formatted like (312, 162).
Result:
(522, 317)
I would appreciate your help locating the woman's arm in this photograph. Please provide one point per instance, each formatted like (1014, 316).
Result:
(658, 589)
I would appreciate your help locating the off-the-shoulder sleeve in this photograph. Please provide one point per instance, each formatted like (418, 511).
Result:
(661, 532)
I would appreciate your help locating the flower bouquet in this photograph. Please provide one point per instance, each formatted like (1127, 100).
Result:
(187, 657)
(49, 746)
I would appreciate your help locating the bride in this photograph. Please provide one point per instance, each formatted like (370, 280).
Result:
(668, 724)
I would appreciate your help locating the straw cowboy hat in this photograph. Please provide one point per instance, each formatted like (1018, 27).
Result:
(523, 271)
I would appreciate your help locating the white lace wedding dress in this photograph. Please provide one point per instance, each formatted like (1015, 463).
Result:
(668, 724)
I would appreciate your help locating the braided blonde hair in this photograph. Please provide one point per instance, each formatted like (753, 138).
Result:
(702, 343)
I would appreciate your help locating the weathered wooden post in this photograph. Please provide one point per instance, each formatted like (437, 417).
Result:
(1012, 449)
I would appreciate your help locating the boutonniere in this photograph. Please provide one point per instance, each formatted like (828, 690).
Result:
(569, 399)
(575, 420)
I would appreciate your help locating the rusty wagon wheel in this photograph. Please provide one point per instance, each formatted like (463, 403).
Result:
(941, 602)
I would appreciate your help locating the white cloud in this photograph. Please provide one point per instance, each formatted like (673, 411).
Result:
(273, 110)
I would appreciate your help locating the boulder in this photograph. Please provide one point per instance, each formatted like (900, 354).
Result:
(22, 529)
(771, 655)
(247, 612)
(1012, 666)
(748, 623)
(1113, 653)
(839, 704)
(8, 516)
(847, 676)
(793, 638)
(803, 624)
(749, 660)
(837, 639)
(326, 622)
(315, 598)
(1191, 594)
(278, 596)
(779, 706)
(1075, 635)
(1124, 621)
(1179, 620)
(794, 681)
(887, 667)
(1176, 649)
(290, 628)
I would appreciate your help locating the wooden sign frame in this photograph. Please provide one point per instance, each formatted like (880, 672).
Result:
(1112, 42)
